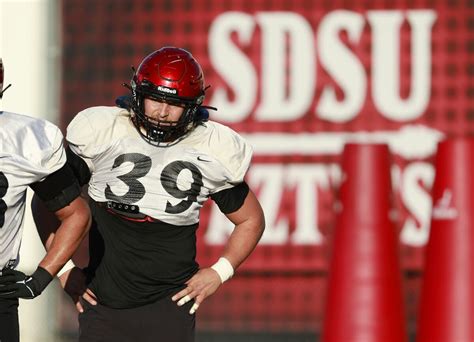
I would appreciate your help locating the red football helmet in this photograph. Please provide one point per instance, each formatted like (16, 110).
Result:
(170, 75)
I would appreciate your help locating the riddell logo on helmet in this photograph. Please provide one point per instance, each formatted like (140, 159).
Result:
(167, 90)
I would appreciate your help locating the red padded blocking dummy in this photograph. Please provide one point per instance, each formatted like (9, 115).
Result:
(365, 299)
(447, 295)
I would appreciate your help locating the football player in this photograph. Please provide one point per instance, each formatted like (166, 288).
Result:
(32, 154)
(150, 164)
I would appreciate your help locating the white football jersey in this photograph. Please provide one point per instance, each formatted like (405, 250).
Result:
(166, 183)
(30, 150)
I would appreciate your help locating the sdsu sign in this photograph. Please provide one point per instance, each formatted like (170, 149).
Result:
(283, 88)
(289, 98)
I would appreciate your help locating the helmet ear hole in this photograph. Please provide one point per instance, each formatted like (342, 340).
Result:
(170, 75)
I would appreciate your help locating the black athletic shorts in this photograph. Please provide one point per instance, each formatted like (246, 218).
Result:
(162, 321)
(9, 328)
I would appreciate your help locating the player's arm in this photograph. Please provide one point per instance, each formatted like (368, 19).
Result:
(71, 278)
(60, 193)
(249, 226)
(61, 244)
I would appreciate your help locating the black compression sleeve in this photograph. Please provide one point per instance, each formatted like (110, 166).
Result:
(229, 200)
(78, 166)
(58, 189)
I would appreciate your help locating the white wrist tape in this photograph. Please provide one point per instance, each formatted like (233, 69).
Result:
(68, 266)
(223, 268)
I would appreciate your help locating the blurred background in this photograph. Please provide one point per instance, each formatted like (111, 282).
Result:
(299, 79)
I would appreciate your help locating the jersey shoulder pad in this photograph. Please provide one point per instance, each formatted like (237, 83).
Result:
(94, 129)
(34, 140)
(232, 151)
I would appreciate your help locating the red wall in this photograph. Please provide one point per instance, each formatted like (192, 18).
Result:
(345, 70)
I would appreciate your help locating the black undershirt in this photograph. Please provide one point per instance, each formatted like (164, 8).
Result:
(78, 166)
(136, 263)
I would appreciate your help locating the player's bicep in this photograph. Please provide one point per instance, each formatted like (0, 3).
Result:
(78, 207)
(231, 199)
(58, 189)
(250, 212)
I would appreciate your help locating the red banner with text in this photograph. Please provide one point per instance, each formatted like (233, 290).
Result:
(298, 79)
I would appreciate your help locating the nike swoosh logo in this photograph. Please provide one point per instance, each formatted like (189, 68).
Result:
(204, 160)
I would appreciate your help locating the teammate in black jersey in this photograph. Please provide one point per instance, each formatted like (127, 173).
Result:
(32, 154)
(150, 164)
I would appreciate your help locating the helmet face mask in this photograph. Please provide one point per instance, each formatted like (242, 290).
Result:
(173, 76)
(163, 132)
